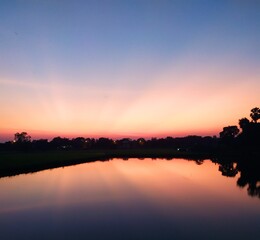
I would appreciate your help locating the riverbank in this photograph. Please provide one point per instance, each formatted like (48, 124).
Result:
(13, 163)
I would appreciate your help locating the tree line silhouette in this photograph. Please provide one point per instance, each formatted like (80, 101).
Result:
(230, 138)
(22, 141)
(249, 176)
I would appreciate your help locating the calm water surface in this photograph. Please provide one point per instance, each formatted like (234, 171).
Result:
(134, 199)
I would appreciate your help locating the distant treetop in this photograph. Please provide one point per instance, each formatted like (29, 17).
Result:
(255, 114)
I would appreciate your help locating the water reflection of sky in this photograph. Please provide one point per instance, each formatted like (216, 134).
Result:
(132, 199)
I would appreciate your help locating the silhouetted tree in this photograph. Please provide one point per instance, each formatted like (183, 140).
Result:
(255, 114)
(60, 143)
(229, 132)
(22, 137)
(244, 123)
(250, 136)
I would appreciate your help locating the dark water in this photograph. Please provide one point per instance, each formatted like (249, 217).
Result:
(134, 199)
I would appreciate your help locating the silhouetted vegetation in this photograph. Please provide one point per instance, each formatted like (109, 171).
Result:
(231, 140)
(184, 144)
(246, 140)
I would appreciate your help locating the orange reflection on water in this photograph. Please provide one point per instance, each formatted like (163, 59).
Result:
(159, 183)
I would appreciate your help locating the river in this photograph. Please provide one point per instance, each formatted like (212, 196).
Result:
(129, 199)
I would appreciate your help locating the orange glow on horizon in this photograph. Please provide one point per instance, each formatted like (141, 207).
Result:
(9, 135)
(201, 103)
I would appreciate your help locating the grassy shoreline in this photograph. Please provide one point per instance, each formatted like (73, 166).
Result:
(14, 163)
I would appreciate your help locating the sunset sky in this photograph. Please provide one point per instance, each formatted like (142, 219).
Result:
(127, 68)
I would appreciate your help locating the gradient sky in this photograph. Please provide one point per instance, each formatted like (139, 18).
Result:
(127, 68)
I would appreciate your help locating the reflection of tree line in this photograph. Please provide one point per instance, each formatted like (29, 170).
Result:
(250, 178)
(249, 174)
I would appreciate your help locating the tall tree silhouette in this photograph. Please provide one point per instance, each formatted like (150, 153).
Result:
(244, 123)
(255, 114)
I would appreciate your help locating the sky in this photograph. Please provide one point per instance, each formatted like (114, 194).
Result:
(127, 68)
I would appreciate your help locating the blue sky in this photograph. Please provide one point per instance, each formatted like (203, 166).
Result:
(120, 50)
